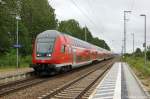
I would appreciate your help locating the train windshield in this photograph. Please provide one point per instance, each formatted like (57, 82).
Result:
(45, 45)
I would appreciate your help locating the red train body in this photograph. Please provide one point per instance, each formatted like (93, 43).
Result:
(55, 51)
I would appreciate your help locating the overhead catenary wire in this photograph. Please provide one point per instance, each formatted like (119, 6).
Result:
(89, 3)
(85, 15)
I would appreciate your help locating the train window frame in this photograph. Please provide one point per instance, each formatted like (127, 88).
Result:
(63, 48)
(53, 45)
(70, 50)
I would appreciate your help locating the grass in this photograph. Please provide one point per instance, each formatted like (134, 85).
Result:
(138, 64)
(8, 61)
(142, 71)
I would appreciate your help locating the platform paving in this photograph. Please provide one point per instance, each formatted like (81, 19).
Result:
(133, 88)
(119, 83)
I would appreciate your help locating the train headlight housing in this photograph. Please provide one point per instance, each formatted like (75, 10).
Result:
(38, 55)
(49, 55)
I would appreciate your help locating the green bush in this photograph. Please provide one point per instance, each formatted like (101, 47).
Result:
(8, 60)
(138, 64)
(148, 55)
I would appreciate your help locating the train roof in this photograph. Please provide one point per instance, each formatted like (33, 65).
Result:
(55, 33)
(89, 45)
(49, 33)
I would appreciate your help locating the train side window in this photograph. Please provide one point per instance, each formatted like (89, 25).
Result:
(69, 50)
(63, 48)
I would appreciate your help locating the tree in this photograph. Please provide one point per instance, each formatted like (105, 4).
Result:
(70, 27)
(73, 28)
(6, 24)
(38, 16)
(138, 52)
(148, 53)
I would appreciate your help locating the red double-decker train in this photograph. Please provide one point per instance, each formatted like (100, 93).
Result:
(54, 51)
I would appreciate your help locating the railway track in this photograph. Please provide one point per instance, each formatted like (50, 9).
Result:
(17, 86)
(79, 86)
(20, 84)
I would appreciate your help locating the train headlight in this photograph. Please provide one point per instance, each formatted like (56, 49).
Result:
(49, 55)
(38, 55)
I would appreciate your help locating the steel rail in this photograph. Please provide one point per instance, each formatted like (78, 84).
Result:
(71, 83)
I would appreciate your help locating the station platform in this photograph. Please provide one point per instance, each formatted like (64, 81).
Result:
(120, 83)
(11, 72)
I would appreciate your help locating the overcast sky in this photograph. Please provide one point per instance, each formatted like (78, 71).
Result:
(104, 18)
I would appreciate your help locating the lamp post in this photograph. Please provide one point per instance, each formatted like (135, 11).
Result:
(133, 42)
(144, 45)
(17, 19)
(125, 12)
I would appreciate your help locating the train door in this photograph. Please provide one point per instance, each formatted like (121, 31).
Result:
(74, 55)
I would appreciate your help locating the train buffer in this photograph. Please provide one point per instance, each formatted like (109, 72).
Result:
(120, 83)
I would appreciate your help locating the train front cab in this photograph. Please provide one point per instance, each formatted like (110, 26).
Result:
(47, 57)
